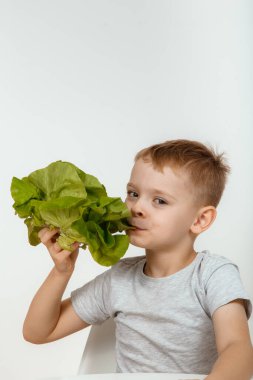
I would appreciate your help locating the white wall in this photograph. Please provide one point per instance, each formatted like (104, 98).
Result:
(92, 82)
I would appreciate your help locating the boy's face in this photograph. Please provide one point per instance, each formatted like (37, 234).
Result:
(161, 205)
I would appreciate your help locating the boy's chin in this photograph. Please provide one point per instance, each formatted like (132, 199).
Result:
(137, 241)
(137, 244)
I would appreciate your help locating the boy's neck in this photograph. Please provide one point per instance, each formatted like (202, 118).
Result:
(165, 264)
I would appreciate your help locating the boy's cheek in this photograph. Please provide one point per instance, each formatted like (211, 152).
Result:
(127, 204)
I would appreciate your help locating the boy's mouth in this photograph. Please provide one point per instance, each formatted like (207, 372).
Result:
(138, 227)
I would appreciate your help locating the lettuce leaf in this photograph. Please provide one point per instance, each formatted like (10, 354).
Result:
(62, 195)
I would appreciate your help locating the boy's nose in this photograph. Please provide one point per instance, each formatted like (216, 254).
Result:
(138, 213)
(137, 209)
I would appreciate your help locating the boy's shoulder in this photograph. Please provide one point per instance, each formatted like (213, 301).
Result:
(213, 259)
(210, 262)
(219, 280)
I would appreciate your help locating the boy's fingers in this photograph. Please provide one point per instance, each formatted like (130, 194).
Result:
(75, 245)
(46, 234)
(75, 253)
(64, 254)
(67, 252)
(56, 247)
(42, 232)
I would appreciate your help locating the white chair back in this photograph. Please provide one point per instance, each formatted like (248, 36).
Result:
(99, 351)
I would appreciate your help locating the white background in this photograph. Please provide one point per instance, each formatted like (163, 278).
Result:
(92, 82)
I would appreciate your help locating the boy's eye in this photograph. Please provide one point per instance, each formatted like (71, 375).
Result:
(132, 194)
(160, 201)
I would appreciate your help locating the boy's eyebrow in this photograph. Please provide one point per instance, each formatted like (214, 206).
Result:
(130, 184)
(162, 192)
(155, 191)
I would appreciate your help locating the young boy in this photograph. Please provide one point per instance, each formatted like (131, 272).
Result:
(176, 310)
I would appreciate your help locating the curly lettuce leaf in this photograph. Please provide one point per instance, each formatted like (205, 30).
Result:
(63, 196)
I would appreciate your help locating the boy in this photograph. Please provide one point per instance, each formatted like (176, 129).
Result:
(176, 310)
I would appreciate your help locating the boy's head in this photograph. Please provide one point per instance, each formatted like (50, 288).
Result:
(173, 193)
(205, 170)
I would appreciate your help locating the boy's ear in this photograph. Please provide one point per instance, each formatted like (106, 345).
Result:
(205, 217)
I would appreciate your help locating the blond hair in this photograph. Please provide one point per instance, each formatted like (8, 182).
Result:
(207, 170)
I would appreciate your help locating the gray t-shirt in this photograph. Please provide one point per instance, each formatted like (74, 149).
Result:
(162, 324)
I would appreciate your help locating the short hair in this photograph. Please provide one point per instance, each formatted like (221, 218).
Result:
(207, 170)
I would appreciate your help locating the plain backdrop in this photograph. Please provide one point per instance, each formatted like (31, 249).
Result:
(92, 82)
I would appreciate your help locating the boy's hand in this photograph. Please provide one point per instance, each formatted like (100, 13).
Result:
(64, 260)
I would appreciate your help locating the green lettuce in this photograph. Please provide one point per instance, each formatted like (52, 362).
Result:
(63, 196)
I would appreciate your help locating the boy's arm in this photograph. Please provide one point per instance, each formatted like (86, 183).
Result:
(235, 360)
(49, 318)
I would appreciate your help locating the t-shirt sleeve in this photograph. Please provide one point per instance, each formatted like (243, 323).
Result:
(224, 285)
(92, 301)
